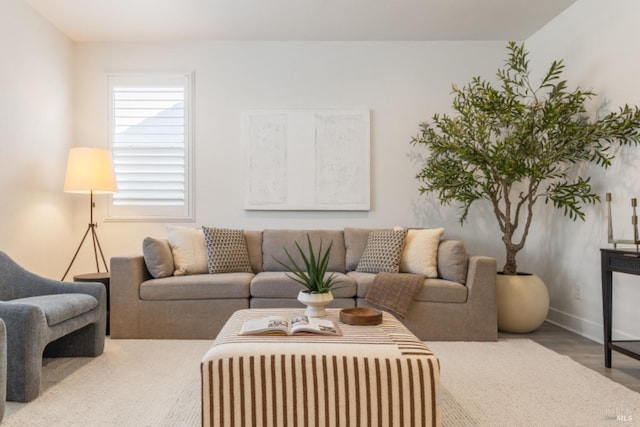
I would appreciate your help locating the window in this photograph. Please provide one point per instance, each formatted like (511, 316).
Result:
(151, 144)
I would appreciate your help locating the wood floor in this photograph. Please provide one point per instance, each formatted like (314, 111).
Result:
(624, 369)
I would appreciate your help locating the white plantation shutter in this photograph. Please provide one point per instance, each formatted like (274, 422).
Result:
(150, 133)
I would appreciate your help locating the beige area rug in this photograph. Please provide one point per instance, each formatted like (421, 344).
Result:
(133, 383)
(517, 382)
(157, 383)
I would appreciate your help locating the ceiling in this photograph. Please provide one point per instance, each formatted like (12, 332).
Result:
(325, 20)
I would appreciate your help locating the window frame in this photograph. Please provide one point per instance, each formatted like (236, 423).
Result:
(140, 213)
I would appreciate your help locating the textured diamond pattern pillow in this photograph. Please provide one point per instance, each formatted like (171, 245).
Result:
(227, 250)
(382, 253)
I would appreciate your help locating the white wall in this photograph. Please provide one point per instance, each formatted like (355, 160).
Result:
(599, 43)
(35, 135)
(401, 83)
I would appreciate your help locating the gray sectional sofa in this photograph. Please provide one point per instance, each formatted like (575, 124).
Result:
(460, 304)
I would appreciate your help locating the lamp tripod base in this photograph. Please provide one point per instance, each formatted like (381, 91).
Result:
(96, 248)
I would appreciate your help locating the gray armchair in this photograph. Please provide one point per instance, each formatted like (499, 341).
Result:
(3, 368)
(46, 317)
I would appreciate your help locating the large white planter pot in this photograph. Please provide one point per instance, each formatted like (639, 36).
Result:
(523, 302)
(315, 303)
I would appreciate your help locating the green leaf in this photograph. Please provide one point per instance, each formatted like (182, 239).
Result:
(517, 141)
(312, 275)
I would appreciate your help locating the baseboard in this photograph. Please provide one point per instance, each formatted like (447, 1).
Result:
(584, 327)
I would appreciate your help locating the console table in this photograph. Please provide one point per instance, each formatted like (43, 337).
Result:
(621, 262)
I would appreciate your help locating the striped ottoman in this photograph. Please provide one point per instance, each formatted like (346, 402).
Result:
(370, 376)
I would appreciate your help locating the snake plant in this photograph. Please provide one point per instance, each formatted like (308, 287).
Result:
(312, 274)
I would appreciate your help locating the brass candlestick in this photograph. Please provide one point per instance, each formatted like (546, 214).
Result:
(634, 222)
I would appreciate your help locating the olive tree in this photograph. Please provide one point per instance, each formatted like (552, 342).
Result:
(513, 143)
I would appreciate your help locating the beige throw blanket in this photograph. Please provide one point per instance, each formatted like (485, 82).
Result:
(394, 291)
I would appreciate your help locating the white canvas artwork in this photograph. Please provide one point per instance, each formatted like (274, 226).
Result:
(307, 159)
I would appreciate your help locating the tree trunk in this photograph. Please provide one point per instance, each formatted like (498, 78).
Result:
(510, 267)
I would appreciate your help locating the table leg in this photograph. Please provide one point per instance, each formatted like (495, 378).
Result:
(606, 308)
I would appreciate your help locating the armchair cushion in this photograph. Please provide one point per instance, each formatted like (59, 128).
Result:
(60, 307)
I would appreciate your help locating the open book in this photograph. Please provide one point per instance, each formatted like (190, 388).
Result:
(281, 325)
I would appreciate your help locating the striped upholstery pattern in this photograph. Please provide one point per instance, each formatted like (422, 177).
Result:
(370, 376)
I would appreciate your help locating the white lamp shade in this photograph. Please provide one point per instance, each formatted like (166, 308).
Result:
(89, 170)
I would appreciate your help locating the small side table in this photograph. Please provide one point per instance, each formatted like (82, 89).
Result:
(96, 277)
(620, 262)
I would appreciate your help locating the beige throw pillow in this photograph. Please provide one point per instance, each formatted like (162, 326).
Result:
(453, 261)
(420, 253)
(189, 250)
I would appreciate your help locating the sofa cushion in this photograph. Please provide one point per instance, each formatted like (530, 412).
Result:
(363, 280)
(158, 257)
(420, 253)
(254, 247)
(60, 307)
(226, 250)
(275, 241)
(355, 240)
(294, 303)
(439, 290)
(198, 286)
(382, 253)
(276, 284)
(453, 261)
(189, 250)
(433, 290)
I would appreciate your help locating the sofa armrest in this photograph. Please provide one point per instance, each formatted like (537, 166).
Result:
(482, 312)
(127, 273)
(481, 281)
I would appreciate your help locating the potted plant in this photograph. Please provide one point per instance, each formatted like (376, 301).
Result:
(313, 276)
(513, 144)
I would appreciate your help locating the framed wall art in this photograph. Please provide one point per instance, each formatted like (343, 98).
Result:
(307, 159)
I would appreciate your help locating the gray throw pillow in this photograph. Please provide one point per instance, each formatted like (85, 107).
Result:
(158, 257)
(453, 261)
(383, 251)
(227, 250)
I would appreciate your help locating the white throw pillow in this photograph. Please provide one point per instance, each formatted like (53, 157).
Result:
(420, 253)
(189, 250)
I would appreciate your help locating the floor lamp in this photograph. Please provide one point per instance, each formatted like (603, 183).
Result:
(89, 171)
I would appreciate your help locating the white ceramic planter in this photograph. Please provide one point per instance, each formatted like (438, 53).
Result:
(523, 302)
(315, 303)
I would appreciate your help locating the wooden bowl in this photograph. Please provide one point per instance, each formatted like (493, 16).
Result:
(361, 316)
